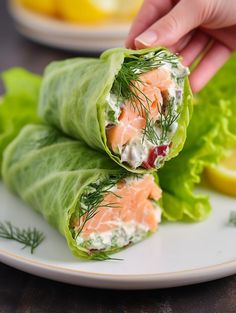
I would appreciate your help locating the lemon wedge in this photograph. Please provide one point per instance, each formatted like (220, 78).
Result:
(47, 7)
(126, 10)
(223, 176)
(86, 11)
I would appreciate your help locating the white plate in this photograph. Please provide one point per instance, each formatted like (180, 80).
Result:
(64, 35)
(178, 254)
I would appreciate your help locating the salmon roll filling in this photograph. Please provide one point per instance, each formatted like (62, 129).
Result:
(117, 212)
(143, 108)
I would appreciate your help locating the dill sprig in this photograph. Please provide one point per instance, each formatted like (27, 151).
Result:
(29, 237)
(126, 88)
(167, 118)
(92, 198)
(103, 256)
(166, 121)
(232, 218)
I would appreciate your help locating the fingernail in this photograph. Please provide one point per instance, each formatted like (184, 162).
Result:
(147, 39)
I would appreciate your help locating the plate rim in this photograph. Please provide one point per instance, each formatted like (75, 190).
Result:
(206, 270)
(35, 20)
(43, 267)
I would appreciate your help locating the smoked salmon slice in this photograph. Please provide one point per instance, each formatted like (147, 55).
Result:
(128, 127)
(131, 201)
(148, 101)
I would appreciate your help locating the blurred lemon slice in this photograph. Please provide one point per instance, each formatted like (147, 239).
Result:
(42, 6)
(86, 11)
(223, 175)
(127, 9)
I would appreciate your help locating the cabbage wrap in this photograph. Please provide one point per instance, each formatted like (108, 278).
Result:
(95, 204)
(134, 105)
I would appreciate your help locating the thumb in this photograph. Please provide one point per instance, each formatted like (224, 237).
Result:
(168, 30)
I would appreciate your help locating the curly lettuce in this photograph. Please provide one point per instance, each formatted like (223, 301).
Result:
(211, 132)
(19, 104)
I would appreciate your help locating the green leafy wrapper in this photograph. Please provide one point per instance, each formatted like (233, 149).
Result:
(73, 99)
(50, 172)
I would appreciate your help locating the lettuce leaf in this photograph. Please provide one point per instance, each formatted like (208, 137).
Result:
(222, 87)
(211, 132)
(19, 105)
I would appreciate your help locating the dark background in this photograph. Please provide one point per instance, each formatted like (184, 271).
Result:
(21, 292)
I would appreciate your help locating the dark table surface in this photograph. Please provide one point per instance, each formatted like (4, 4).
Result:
(21, 292)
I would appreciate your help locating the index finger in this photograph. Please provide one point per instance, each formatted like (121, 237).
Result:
(150, 12)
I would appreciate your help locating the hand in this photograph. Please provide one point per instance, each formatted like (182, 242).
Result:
(188, 27)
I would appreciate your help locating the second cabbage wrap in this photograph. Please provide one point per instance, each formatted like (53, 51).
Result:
(97, 206)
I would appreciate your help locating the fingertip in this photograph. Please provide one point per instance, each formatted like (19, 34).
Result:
(212, 61)
(196, 84)
(146, 39)
(185, 61)
(128, 43)
(139, 44)
(195, 48)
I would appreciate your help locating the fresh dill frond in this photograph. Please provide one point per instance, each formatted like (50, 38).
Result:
(92, 198)
(150, 133)
(167, 119)
(232, 218)
(29, 237)
(165, 122)
(126, 88)
(103, 256)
